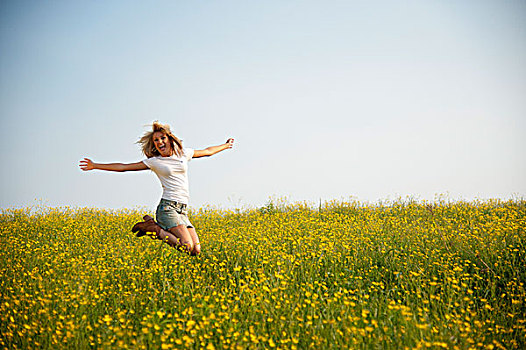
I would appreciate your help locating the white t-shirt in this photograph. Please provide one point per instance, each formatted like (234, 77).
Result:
(172, 172)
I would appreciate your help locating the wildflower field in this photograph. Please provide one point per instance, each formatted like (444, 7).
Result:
(400, 275)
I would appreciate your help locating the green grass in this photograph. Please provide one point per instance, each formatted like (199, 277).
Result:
(342, 275)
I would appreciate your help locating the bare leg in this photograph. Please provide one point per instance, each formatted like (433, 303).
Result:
(184, 236)
(195, 241)
(178, 236)
(169, 238)
(187, 238)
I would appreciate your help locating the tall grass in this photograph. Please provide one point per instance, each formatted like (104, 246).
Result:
(342, 275)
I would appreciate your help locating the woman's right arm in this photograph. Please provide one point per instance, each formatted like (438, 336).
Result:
(87, 164)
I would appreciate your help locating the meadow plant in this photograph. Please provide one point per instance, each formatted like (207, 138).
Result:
(397, 275)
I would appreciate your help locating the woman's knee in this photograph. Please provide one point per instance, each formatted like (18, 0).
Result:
(188, 246)
(196, 250)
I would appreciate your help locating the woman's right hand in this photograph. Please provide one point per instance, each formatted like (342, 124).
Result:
(86, 164)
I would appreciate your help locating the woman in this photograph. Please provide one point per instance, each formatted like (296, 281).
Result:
(166, 156)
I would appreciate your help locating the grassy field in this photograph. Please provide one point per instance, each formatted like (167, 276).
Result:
(285, 276)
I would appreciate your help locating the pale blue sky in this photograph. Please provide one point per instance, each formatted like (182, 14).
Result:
(326, 99)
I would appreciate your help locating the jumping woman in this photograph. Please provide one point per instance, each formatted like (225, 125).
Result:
(167, 158)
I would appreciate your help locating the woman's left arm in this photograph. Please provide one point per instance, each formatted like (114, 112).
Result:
(210, 151)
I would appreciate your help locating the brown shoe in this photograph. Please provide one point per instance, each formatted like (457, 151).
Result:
(148, 225)
(147, 218)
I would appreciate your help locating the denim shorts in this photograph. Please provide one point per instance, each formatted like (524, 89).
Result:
(170, 214)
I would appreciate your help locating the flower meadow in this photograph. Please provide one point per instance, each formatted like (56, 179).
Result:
(397, 275)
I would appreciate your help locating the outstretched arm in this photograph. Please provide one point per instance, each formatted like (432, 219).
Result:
(209, 151)
(86, 164)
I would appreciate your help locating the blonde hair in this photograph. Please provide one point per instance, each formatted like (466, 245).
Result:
(148, 146)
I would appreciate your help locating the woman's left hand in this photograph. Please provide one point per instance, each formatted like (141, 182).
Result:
(230, 142)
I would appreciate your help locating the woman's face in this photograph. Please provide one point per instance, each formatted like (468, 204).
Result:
(162, 143)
